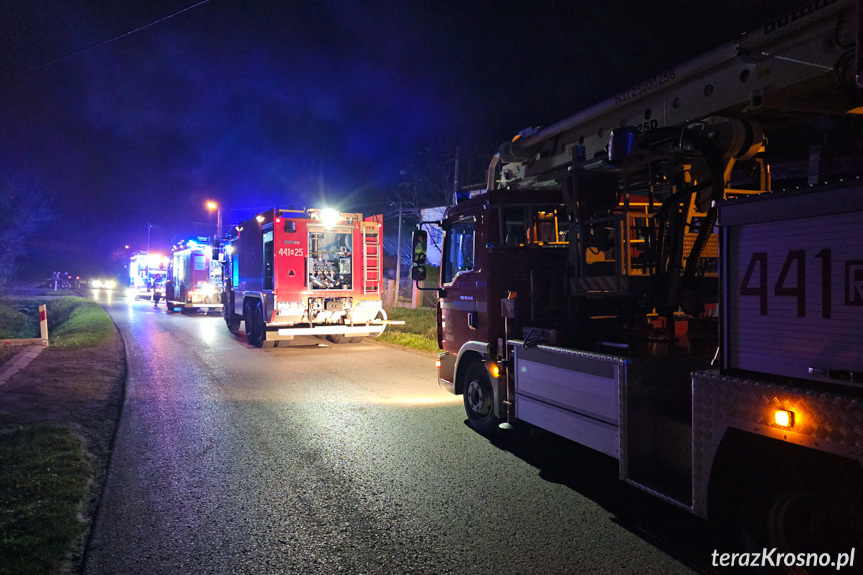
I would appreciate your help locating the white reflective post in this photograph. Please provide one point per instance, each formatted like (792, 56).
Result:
(43, 324)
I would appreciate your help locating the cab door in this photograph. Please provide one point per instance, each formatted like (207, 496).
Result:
(459, 278)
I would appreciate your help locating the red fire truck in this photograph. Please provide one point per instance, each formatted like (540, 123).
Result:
(194, 281)
(623, 282)
(314, 272)
(147, 272)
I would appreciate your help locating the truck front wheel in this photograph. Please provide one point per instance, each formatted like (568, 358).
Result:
(231, 319)
(253, 327)
(479, 400)
(342, 338)
(258, 328)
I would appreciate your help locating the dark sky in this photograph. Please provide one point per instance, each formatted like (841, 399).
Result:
(257, 104)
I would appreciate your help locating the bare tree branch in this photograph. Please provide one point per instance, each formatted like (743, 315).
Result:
(24, 209)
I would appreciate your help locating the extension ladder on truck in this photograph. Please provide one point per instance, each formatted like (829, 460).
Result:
(371, 256)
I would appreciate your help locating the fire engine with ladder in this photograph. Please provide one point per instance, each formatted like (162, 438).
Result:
(313, 272)
(630, 280)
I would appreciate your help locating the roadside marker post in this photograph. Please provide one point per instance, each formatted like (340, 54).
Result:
(43, 324)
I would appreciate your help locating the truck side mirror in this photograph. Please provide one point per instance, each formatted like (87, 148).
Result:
(418, 273)
(419, 241)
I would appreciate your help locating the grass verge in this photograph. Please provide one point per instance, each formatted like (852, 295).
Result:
(57, 417)
(42, 482)
(418, 332)
(78, 322)
(72, 321)
(18, 319)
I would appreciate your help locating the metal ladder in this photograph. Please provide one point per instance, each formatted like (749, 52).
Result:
(371, 257)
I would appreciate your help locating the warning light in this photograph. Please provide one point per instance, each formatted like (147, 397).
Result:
(437, 363)
(329, 217)
(494, 370)
(783, 418)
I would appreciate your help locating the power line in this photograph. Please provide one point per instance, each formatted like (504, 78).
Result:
(108, 41)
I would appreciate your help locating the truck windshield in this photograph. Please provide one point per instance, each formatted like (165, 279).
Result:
(458, 247)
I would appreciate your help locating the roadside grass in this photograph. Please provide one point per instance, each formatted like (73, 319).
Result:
(19, 319)
(47, 473)
(72, 321)
(418, 332)
(43, 479)
(78, 322)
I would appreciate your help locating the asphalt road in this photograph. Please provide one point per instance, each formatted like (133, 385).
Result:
(347, 458)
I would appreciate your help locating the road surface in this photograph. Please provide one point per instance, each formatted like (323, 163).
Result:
(346, 458)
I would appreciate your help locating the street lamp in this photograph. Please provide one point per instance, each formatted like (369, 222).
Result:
(214, 206)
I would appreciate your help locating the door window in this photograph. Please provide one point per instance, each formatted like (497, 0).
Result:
(458, 247)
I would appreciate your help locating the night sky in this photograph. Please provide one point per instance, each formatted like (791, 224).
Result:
(257, 104)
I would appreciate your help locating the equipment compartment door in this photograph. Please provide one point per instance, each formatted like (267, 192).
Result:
(330, 264)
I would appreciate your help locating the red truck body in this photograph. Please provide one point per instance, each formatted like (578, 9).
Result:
(631, 279)
(194, 281)
(290, 273)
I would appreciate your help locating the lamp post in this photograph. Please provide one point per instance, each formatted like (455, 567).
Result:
(214, 206)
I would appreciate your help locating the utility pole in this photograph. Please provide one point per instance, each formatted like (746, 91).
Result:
(398, 258)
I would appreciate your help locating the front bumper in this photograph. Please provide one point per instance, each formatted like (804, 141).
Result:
(446, 372)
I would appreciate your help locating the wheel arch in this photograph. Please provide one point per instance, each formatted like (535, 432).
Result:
(482, 353)
(469, 352)
(750, 466)
(255, 297)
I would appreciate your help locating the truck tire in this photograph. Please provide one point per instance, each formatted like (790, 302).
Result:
(260, 330)
(256, 331)
(249, 320)
(232, 320)
(342, 338)
(818, 520)
(479, 400)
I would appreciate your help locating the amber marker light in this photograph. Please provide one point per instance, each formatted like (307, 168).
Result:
(437, 363)
(494, 370)
(783, 418)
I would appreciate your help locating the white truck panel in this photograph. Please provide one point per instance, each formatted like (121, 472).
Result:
(573, 394)
(793, 291)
